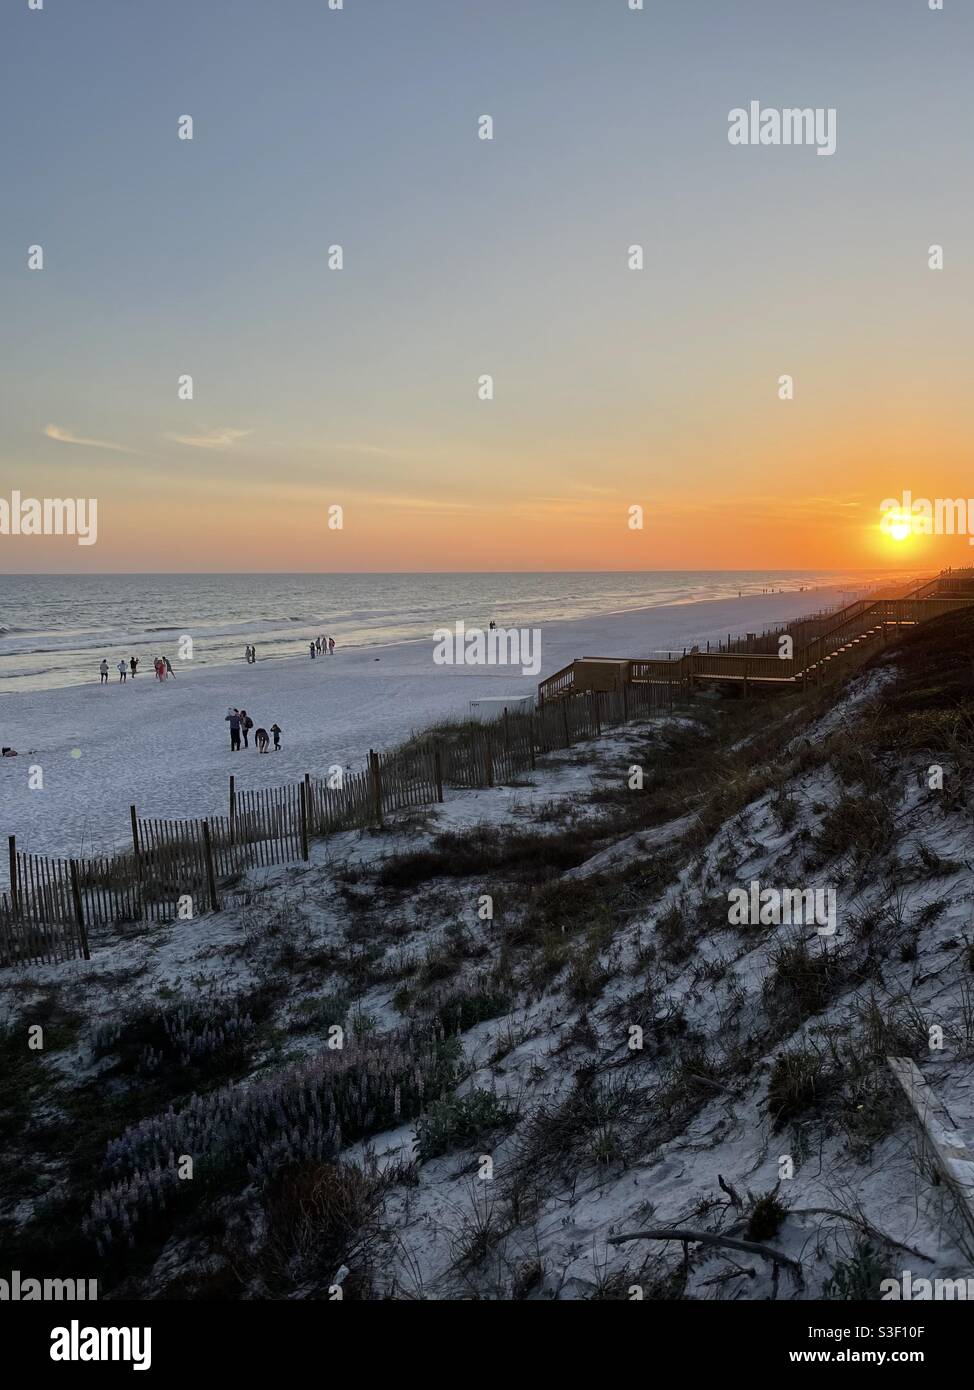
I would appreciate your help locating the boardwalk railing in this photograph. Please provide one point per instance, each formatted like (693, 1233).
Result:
(182, 868)
(820, 645)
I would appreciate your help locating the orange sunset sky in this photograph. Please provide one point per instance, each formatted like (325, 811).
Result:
(358, 387)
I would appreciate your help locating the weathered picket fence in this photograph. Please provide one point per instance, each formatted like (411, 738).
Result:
(183, 866)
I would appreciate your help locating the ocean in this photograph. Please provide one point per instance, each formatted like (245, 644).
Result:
(55, 629)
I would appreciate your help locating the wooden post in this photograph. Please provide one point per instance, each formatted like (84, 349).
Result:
(534, 718)
(14, 895)
(438, 769)
(309, 803)
(507, 733)
(564, 711)
(135, 836)
(488, 760)
(233, 808)
(376, 786)
(79, 911)
(210, 874)
(303, 796)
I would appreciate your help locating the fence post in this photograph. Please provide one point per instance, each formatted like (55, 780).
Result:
(376, 786)
(564, 711)
(210, 874)
(488, 760)
(303, 797)
(135, 836)
(438, 769)
(507, 733)
(233, 809)
(14, 895)
(308, 802)
(79, 911)
(531, 729)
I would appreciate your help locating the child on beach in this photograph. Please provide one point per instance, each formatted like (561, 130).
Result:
(312, 648)
(103, 668)
(276, 731)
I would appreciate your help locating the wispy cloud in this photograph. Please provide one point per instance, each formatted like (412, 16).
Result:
(213, 439)
(66, 437)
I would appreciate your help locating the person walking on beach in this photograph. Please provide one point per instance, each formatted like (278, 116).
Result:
(169, 670)
(312, 648)
(253, 654)
(123, 671)
(103, 668)
(247, 654)
(276, 731)
(134, 663)
(331, 646)
(246, 724)
(232, 717)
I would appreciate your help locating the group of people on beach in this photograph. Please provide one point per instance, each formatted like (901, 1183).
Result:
(240, 726)
(321, 644)
(161, 665)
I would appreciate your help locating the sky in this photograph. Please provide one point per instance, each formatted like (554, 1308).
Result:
(613, 388)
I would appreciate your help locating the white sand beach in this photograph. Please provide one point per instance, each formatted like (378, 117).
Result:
(166, 748)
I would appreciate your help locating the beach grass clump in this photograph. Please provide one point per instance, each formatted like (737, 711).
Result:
(861, 827)
(799, 1080)
(587, 976)
(486, 850)
(472, 1001)
(799, 981)
(458, 1121)
(312, 1219)
(598, 1116)
(858, 1279)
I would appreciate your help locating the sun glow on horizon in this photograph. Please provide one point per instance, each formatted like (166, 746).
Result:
(897, 525)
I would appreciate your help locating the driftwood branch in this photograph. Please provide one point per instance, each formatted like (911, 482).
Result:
(750, 1247)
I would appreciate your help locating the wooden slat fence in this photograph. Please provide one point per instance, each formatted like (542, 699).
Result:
(54, 903)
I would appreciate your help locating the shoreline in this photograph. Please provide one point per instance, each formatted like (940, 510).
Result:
(166, 636)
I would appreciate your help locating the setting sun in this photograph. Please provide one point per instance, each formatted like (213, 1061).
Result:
(898, 525)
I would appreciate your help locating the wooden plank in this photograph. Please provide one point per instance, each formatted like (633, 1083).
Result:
(79, 912)
(947, 1149)
(14, 896)
(210, 874)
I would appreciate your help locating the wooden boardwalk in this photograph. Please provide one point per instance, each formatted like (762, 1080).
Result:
(816, 648)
